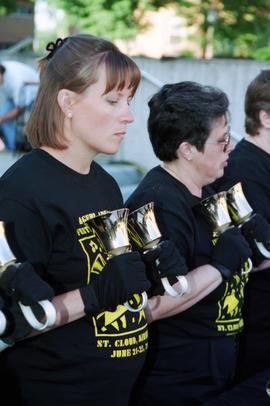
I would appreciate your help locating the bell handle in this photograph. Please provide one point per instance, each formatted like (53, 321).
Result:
(169, 289)
(262, 249)
(49, 310)
(3, 323)
(250, 266)
(4, 345)
(141, 307)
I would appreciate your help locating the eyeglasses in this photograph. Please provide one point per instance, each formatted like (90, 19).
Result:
(224, 142)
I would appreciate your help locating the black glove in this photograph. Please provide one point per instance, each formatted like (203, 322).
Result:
(1, 302)
(163, 261)
(230, 253)
(257, 228)
(24, 284)
(17, 326)
(122, 276)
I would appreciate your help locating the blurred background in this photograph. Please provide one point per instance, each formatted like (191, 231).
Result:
(221, 43)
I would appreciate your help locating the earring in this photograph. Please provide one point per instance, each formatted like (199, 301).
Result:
(69, 114)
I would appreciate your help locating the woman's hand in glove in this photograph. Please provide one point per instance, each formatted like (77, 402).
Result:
(22, 282)
(163, 261)
(122, 277)
(230, 252)
(257, 232)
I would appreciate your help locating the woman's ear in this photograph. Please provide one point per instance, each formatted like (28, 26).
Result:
(264, 119)
(65, 101)
(185, 150)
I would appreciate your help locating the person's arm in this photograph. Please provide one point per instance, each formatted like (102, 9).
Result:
(201, 281)
(69, 307)
(204, 279)
(122, 277)
(263, 265)
(12, 114)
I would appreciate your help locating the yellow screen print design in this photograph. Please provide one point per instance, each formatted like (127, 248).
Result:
(121, 332)
(229, 319)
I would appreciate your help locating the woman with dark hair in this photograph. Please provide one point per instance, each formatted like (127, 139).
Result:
(47, 197)
(192, 340)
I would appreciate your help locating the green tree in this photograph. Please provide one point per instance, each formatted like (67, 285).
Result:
(109, 18)
(7, 6)
(242, 27)
(230, 27)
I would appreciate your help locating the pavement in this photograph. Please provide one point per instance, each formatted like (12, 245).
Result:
(7, 158)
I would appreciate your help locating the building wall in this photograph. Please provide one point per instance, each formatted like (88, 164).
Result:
(166, 34)
(14, 28)
(18, 25)
(230, 75)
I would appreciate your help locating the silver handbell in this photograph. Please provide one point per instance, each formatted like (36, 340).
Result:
(111, 228)
(241, 212)
(144, 232)
(216, 212)
(7, 258)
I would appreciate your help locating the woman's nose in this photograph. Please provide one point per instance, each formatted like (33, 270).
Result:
(128, 116)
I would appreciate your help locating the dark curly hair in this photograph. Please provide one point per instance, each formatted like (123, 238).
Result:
(184, 111)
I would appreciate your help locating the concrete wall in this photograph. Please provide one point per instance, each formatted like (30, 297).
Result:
(14, 28)
(231, 75)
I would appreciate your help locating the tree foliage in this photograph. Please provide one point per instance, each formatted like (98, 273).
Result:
(109, 18)
(7, 6)
(239, 27)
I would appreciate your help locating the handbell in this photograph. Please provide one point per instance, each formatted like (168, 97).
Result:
(112, 231)
(216, 212)
(142, 227)
(238, 205)
(144, 232)
(7, 258)
(214, 209)
(241, 212)
(111, 228)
